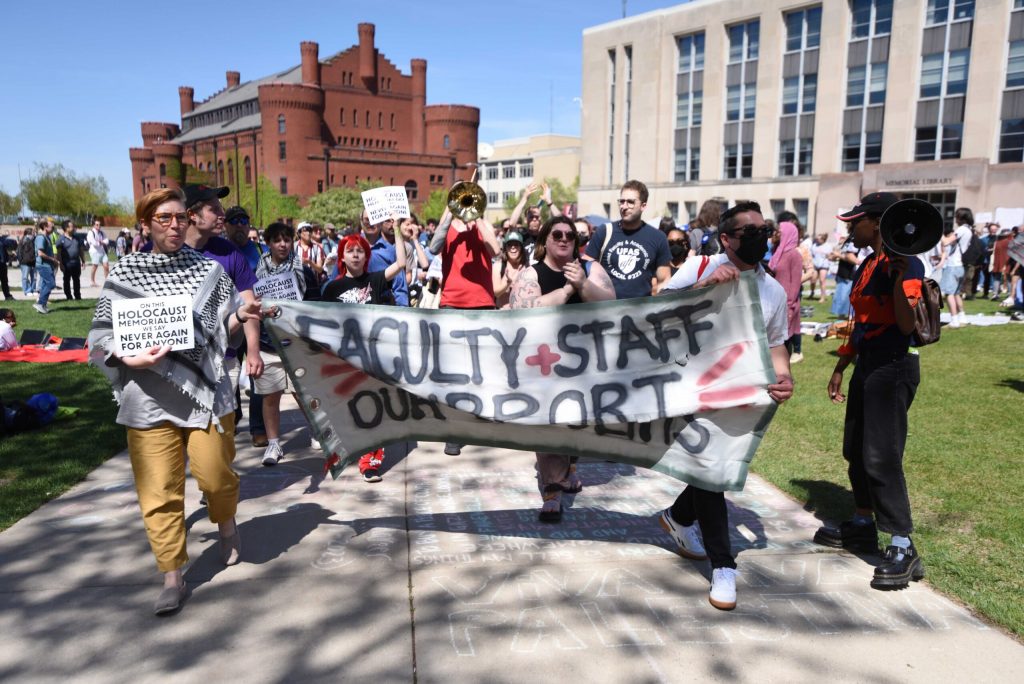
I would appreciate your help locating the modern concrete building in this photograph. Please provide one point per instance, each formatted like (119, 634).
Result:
(806, 105)
(316, 125)
(508, 166)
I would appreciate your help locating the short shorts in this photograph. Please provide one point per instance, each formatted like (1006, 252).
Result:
(274, 378)
(952, 278)
(98, 257)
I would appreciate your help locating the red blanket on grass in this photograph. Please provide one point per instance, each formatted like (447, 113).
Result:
(39, 354)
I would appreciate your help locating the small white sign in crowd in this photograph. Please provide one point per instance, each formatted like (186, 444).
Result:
(153, 322)
(383, 203)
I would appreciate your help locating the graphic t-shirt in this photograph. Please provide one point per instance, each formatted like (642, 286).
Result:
(631, 258)
(369, 288)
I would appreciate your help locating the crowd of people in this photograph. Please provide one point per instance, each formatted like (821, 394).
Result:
(188, 243)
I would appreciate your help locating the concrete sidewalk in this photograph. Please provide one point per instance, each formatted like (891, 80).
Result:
(441, 573)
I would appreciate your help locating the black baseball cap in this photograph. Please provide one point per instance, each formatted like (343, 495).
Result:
(194, 194)
(235, 212)
(873, 204)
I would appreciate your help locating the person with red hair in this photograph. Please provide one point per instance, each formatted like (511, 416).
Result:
(354, 285)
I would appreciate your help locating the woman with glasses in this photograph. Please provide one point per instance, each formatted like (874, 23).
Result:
(179, 402)
(558, 278)
(513, 261)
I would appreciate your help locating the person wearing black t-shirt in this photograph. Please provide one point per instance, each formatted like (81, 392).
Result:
(558, 278)
(355, 286)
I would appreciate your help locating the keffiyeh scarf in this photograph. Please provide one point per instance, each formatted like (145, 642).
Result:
(195, 372)
(266, 268)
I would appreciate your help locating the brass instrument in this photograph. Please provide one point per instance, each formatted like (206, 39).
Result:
(467, 200)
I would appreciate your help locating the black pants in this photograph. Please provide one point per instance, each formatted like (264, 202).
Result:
(794, 344)
(72, 279)
(3, 279)
(880, 394)
(707, 508)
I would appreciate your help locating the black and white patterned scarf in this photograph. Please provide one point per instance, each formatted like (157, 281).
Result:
(267, 268)
(195, 372)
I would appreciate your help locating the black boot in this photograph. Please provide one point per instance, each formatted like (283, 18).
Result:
(895, 572)
(849, 535)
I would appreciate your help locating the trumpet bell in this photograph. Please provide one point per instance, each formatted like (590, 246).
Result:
(467, 200)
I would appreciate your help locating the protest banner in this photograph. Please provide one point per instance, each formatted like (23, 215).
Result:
(383, 203)
(280, 286)
(152, 321)
(674, 383)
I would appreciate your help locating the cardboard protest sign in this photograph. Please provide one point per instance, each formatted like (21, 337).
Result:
(383, 203)
(674, 383)
(280, 286)
(151, 322)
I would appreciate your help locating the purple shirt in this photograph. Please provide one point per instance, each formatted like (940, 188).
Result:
(232, 261)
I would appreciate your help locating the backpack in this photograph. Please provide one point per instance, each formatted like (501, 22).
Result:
(708, 242)
(927, 327)
(27, 251)
(975, 251)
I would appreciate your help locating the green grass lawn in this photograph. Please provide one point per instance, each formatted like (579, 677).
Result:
(42, 464)
(965, 453)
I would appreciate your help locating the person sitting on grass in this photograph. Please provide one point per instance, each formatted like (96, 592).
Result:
(8, 322)
(355, 285)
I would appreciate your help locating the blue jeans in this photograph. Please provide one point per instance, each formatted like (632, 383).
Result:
(46, 283)
(841, 297)
(28, 279)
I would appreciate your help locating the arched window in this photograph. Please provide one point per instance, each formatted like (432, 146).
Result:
(163, 170)
(342, 116)
(220, 172)
(248, 171)
(231, 172)
(380, 119)
(411, 189)
(209, 167)
(447, 142)
(280, 124)
(367, 118)
(355, 119)
(392, 122)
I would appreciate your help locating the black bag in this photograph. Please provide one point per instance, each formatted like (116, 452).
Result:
(975, 251)
(927, 326)
(27, 251)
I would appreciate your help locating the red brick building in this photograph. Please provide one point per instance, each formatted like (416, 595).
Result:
(314, 126)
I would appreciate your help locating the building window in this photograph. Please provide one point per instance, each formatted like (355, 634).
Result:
(673, 211)
(367, 118)
(1011, 141)
(380, 120)
(744, 41)
(687, 164)
(492, 198)
(220, 172)
(879, 77)
(283, 185)
(341, 116)
(508, 171)
(282, 151)
(924, 147)
(689, 107)
(795, 157)
(163, 170)
(280, 124)
(938, 11)
(778, 206)
(320, 186)
(803, 29)
(411, 189)
(691, 53)
(506, 196)
(739, 161)
(626, 124)
(800, 207)
(611, 114)
(231, 172)
(526, 170)
(868, 14)
(247, 166)
(355, 119)
(691, 211)
(952, 138)
(392, 122)
(492, 173)
(447, 142)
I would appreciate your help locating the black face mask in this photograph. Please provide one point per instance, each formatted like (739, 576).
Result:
(753, 248)
(677, 250)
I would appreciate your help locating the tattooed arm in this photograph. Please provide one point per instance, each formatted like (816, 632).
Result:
(598, 285)
(526, 292)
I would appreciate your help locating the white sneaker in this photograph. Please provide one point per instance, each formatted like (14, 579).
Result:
(272, 454)
(40, 308)
(796, 358)
(314, 443)
(723, 588)
(686, 536)
(954, 322)
(963, 318)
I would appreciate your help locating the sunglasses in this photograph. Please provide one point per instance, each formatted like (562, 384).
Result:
(241, 221)
(165, 219)
(749, 231)
(563, 236)
(677, 242)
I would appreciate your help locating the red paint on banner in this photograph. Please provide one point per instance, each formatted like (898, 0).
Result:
(730, 357)
(355, 377)
(545, 358)
(726, 396)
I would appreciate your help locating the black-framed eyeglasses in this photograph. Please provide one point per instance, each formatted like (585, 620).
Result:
(164, 219)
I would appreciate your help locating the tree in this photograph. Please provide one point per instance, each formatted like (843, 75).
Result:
(560, 196)
(10, 205)
(435, 205)
(264, 203)
(337, 205)
(54, 189)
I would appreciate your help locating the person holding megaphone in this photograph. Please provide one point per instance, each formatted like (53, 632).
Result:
(887, 288)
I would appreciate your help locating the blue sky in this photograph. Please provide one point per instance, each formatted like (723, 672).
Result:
(78, 77)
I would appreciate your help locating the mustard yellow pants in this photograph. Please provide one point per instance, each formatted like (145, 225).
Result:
(158, 462)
